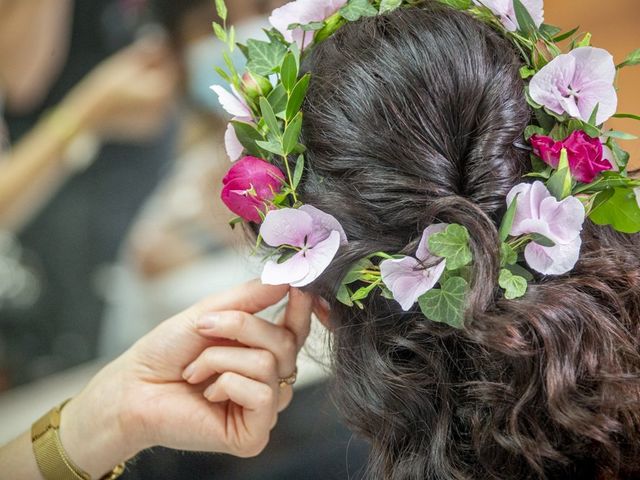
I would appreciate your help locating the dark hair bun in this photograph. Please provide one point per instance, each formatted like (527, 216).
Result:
(412, 118)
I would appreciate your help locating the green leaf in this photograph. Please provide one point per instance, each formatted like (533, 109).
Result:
(620, 135)
(513, 285)
(248, 136)
(458, 4)
(306, 27)
(265, 57)
(272, 147)
(594, 115)
(363, 292)
(627, 115)
(453, 245)
(507, 221)
(520, 271)
(235, 221)
(560, 184)
(621, 211)
(564, 36)
(356, 9)
(542, 240)
(549, 31)
(278, 99)
(224, 75)
(297, 96)
(532, 130)
(619, 155)
(355, 273)
(525, 22)
(632, 59)
(508, 256)
(292, 134)
(585, 42)
(389, 5)
(601, 198)
(221, 9)
(446, 304)
(297, 173)
(220, 32)
(270, 117)
(231, 42)
(289, 72)
(344, 296)
(526, 72)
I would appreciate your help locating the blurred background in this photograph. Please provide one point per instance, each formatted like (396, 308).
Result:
(109, 214)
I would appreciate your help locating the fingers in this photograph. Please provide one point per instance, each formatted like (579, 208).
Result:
(297, 317)
(254, 332)
(251, 297)
(260, 365)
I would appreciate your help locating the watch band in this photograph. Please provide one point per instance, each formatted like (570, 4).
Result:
(51, 457)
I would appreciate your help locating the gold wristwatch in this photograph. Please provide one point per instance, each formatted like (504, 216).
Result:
(52, 459)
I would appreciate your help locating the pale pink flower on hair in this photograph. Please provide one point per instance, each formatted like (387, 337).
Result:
(407, 278)
(303, 12)
(505, 10)
(234, 105)
(637, 192)
(576, 82)
(317, 236)
(561, 222)
(232, 144)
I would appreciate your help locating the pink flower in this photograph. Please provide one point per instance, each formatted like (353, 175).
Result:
(576, 82)
(317, 236)
(561, 222)
(407, 278)
(249, 186)
(637, 192)
(303, 12)
(232, 144)
(505, 10)
(586, 154)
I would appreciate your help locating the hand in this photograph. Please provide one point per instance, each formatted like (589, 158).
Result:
(232, 360)
(128, 96)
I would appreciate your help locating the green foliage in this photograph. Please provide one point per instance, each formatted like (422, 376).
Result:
(356, 9)
(292, 134)
(507, 221)
(526, 23)
(508, 255)
(621, 211)
(447, 303)
(289, 72)
(514, 286)
(221, 9)
(627, 115)
(248, 135)
(561, 183)
(566, 35)
(389, 5)
(458, 4)
(632, 59)
(453, 245)
(294, 104)
(620, 135)
(265, 57)
(270, 118)
(297, 173)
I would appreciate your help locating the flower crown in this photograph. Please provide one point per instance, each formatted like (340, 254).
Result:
(578, 169)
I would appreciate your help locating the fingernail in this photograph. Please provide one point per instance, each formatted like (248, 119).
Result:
(208, 392)
(208, 321)
(189, 371)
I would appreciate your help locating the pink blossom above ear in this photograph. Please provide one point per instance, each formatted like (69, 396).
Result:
(315, 234)
(574, 83)
(303, 12)
(506, 11)
(233, 103)
(232, 145)
(538, 212)
(407, 278)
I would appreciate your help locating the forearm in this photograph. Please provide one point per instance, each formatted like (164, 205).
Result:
(17, 460)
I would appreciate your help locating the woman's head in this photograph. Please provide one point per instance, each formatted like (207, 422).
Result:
(415, 117)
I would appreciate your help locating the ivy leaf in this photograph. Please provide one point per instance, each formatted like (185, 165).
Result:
(389, 5)
(520, 271)
(514, 286)
(507, 221)
(446, 304)
(621, 211)
(356, 9)
(632, 59)
(306, 27)
(265, 57)
(297, 96)
(453, 245)
(508, 256)
(525, 22)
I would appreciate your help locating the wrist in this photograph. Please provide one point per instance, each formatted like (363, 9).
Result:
(91, 428)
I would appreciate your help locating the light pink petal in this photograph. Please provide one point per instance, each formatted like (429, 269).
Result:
(556, 260)
(423, 254)
(637, 192)
(569, 105)
(286, 273)
(407, 281)
(232, 104)
(529, 199)
(506, 11)
(319, 258)
(536, 10)
(607, 154)
(597, 93)
(592, 64)
(232, 144)
(302, 12)
(551, 83)
(323, 225)
(564, 219)
(287, 226)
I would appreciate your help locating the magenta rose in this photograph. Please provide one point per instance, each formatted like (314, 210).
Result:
(249, 187)
(586, 154)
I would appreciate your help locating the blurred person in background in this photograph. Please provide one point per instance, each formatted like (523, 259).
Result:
(80, 97)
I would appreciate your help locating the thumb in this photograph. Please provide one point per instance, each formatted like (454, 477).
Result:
(251, 297)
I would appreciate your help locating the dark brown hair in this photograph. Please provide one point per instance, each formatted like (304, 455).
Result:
(412, 118)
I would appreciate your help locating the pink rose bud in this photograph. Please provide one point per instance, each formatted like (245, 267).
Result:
(255, 85)
(250, 186)
(586, 154)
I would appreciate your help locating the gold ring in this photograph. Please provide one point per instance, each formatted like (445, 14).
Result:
(290, 380)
